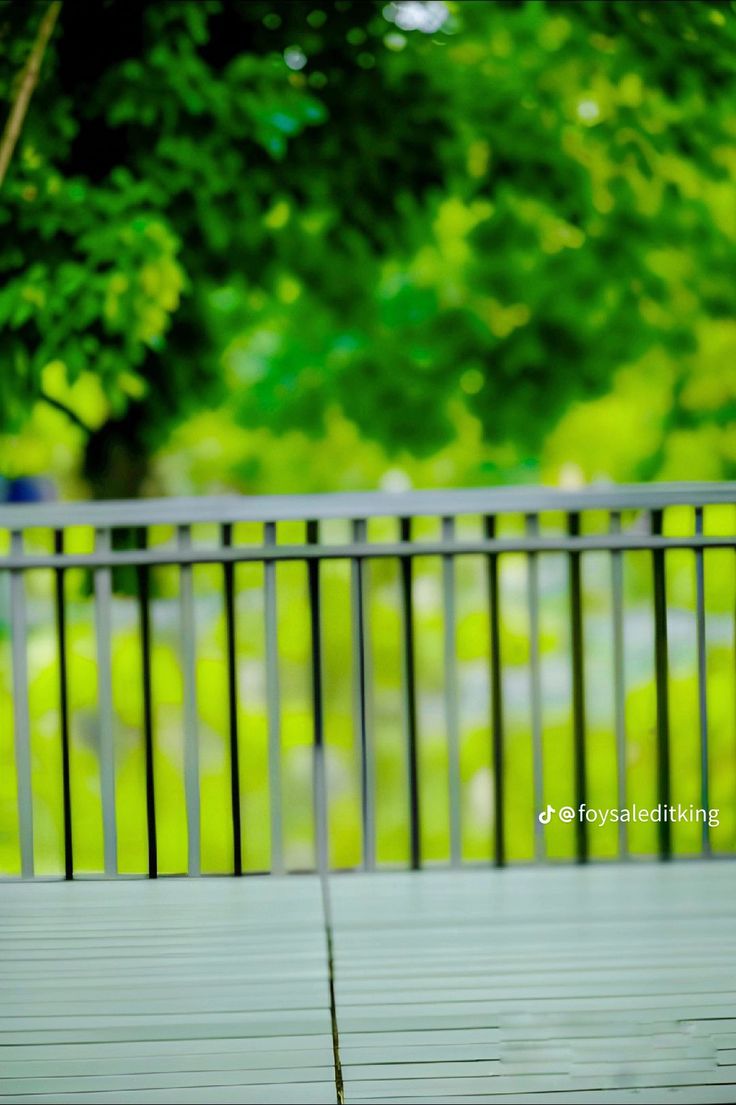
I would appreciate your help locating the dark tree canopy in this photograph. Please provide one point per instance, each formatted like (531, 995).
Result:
(379, 207)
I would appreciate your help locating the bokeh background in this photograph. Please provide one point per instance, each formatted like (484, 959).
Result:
(292, 247)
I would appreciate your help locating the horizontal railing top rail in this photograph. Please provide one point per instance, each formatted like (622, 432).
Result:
(522, 499)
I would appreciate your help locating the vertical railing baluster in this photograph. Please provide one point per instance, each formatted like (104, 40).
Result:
(273, 704)
(103, 632)
(702, 680)
(578, 687)
(497, 734)
(535, 682)
(358, 580)
(661, 673)
(321, 816)
(451, 697)
(145, 631)
(21, 718)
(191, 725)
(66, 786)
(232, 699)
(619, 679)
(410, 695)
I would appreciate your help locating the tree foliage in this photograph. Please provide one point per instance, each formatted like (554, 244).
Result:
(376, 208)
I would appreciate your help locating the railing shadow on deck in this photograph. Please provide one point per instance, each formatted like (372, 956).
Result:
(369, 679)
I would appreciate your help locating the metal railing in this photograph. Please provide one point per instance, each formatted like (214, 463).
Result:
(487, 525)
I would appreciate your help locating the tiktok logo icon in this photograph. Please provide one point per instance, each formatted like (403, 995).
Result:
(546, 815)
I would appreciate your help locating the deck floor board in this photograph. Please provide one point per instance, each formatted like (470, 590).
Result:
(611, 984)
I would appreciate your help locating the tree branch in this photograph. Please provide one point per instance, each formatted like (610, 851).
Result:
(28, 81)
(70, 414)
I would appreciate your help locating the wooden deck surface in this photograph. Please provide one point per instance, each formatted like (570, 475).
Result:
(605, 983)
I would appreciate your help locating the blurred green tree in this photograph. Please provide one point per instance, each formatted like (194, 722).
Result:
(379, 207)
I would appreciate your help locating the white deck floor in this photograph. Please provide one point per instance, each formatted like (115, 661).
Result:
(607, 983)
